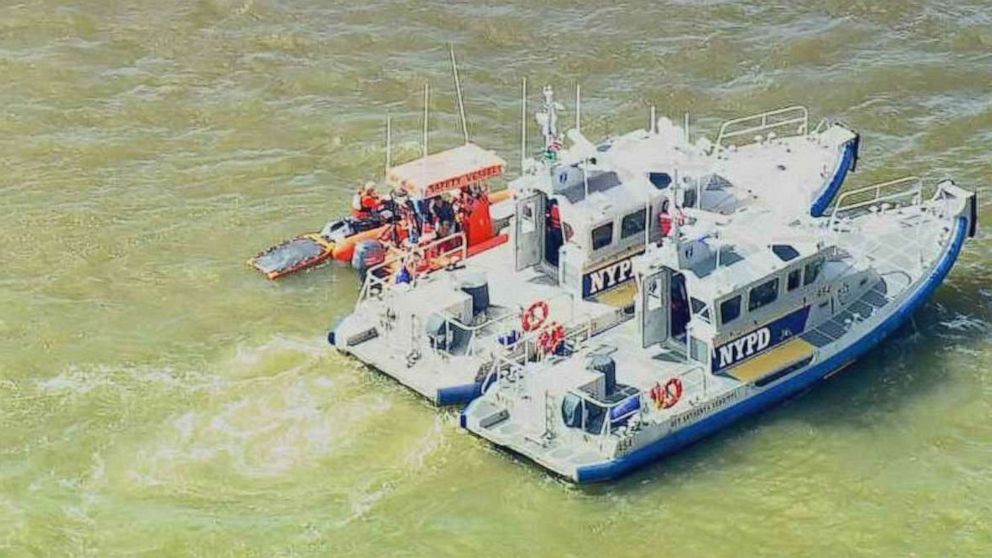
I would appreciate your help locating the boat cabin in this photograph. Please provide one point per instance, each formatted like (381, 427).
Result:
(584, 233)
(720, 304)
(453, 171)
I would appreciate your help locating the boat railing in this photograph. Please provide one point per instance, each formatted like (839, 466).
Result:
(901, 192)
(821, 126)
(695, 388)
(422, 259)
(506, 368)
(576, 330)
(788, 121)
(561, 310)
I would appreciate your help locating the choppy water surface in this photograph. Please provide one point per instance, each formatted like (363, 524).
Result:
(157, 397)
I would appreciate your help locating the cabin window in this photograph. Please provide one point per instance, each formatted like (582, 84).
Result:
(602, 236)
(633, 223)
(689, 198)
(527, 218)
(699, 309)
(697, 305)
(730, 309)
(813, 271)
(762, 295)
(792, 281)
(785, 252)
(661, 180)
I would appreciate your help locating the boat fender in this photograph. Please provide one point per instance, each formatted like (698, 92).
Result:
(332, 333)
(535, 315)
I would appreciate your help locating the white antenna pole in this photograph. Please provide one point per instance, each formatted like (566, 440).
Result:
(427, 98)
(578, 108)
(458, 90)
(585, 176)
(523, 125)
(654, 122)
(687, 127)
(647, 223)
(389, 142)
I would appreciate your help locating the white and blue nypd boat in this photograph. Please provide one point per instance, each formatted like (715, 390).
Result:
(581, 216)
(730, 318)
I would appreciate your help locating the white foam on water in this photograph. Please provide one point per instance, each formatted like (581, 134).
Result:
(253, 355)
(414, 465)
(78, 381)
(962, 322)
(265, 421)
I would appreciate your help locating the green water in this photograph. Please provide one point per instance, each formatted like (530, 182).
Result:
(159, 398)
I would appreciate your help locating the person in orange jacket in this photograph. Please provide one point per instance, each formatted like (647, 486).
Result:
(365, 204)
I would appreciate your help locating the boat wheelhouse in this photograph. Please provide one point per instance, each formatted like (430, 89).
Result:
(729, 320)
(581, 216)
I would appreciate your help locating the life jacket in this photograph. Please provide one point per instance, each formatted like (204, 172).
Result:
(665, 221)
(370, 202)
(554, 217)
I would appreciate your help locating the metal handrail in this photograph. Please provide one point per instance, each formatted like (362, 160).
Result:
(450, 320)
(908, 186)
(761, 123)
(371, 276)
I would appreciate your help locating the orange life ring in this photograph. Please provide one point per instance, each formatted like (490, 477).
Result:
(666, 396)
(535, 315)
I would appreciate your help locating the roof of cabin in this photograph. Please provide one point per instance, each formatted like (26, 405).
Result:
(447, 170)
(748, 253)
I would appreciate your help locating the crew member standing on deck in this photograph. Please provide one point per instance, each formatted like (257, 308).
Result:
(554, 238)
(445, 215)
(666, 219)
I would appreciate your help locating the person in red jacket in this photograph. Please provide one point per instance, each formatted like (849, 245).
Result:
(554, 238)
(666, 219)
(365, 204)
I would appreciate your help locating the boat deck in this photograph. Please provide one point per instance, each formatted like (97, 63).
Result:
(458, 367)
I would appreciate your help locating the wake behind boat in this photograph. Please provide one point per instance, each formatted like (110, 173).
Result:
(582, 215)
(729, 321)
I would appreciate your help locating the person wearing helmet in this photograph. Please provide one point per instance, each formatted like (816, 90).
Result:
(370, 199)
(356, 205)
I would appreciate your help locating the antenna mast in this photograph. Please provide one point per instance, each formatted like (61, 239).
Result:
(523, 125)
(458, 90)
(578, 108)
(389, 142)
(427, 98)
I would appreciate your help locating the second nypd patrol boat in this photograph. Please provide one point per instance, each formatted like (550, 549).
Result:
(729, 320)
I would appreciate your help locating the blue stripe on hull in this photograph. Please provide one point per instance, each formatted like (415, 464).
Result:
(456, 395)
(611, 469)
(823, 201)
